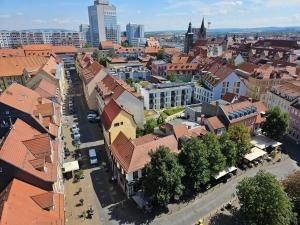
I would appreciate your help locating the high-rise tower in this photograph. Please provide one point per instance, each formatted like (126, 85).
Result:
(188, 42)
(103, 22)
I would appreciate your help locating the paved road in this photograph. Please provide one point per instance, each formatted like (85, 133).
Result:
(220, 196)
(114, 208)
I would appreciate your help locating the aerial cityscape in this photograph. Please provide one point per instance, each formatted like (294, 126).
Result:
(150, 112)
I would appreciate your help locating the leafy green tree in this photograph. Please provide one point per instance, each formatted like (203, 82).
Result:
(102, 60)
(292, 187)
(216, 159)
(160, 54)
(276, 124)
(172, 77)
(149, 126)
(194, 159)
(125, 44)
(17, 46)
(264, 202)
(240, 135)
(129, 81)
(163, 176)
(139, 132)
(229, 149)
(87, 45)
(161, 119)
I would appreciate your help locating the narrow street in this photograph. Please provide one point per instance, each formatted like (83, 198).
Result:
(110, 204)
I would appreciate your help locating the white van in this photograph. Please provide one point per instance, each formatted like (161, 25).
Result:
(93, 156)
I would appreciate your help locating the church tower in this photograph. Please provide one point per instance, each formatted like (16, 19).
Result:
(202, 32)
(188, 42)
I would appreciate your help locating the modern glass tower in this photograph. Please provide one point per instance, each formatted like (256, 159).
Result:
(103, 22)
(134, 31)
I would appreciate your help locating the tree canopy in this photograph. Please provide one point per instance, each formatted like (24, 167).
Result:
(229, 149)
(149, 126)
(240, 135)
(172, 77)
(263, 201)
(163, 176)
(276, 123)
(193, 157)
(87, 45)
(292, 187)
(215, 157)
(161, 54)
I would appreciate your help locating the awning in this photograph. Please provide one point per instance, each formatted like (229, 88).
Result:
(224, 172)
(70, 166)
(262, 142)
(254, 154)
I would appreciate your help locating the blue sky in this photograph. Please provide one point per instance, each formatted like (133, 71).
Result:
(154, 14)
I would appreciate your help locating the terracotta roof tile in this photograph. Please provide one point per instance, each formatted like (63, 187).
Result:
(215, 122)
(110, 112)
(14, 66)
(134, 154)
(47, 89)
(9, 52)
(23, 203)
(180, 130)
(23, 144)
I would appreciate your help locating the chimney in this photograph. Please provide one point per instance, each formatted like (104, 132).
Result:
(250, 100)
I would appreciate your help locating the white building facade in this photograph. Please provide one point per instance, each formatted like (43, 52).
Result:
(10, 39)
(103, 22)
(166, 95)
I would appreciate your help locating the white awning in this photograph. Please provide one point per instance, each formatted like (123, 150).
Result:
(70, 166)
(224, 172)
(254, 154)
(262, 142)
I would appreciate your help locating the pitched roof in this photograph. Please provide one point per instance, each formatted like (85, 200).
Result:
(14, 66)
(215, 122)
(23, 203)
(20, 97)
(180, 130)
(63, 49)
(110, 112)
(8, 52)
(24, 145)
(46, 89)
(248, 67)
(217, 73)
(37, 47)
(134, 154)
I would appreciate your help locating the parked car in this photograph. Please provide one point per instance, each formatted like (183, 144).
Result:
(76, 136)
(93, 156)
(94, 119)
(91, 116)
(77, 142)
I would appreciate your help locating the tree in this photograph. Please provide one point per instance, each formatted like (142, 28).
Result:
(215, 157)
(161, 119)
(229, 149)
(102, 60)
(149, 126)
(172, 77)
(165, 172)
(87, 45)
(276, 123)
(129, 81)
(160, 54)
(194, 159)
(17, 46)
(292, 187)
(139, 132)
(240, 135)
(263, 201)
(125, 44)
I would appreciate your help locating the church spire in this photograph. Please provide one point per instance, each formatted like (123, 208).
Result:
(190, 28)
(202, 31)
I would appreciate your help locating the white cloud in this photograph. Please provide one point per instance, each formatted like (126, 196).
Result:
(5, 16)
(38, 21)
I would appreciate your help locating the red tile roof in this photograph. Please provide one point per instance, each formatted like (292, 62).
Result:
(9, 52)
(22, 203)
(24, 145)
(133, 155)
(215, 122)
(47, 89)
(110, 112)
(14, 66)
(180, 130)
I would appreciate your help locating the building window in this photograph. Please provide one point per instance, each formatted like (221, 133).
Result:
(135, 175)
(116, 124)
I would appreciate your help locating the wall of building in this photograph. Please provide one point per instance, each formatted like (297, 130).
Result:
(126, 124)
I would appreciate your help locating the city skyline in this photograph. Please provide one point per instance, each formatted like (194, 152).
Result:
(155, 15)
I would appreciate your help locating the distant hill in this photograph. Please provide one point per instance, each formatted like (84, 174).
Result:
(45, 30)
(239, 30)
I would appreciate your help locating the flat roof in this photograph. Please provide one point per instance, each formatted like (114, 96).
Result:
(70, 166)
(263, 142)
(254, 154)
(224, 172)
